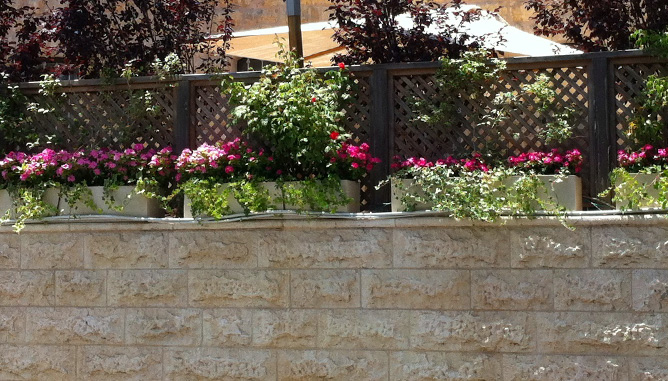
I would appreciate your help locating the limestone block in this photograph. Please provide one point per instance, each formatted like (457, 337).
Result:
(550, 247)
(332, 365)
(10, 246)
(434, 366)
(363, 329)
(650, 290)
(27, 288)
(592, 290)
(12, 325)
(238, 288)
(451, 248)
(602, 333)
(332, 248)
(325, 288)
(219, 364)
(511, 289)
(81, 288)
(120, 363)
(648, 368)
(535, 368)
(148, 288)
(159, 326)
(285, 328)
(227, 327)
(482, 331)
(630, 247)
(213, 249)
(52, 363)
(52, 251)
(126, 250)
(416, 289)
(74, 326)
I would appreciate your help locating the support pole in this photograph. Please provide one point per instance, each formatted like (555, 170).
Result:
(295, 28)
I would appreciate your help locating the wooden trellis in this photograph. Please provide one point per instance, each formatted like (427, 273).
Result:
(602, 88)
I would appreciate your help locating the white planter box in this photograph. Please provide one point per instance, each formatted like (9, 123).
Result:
(135, 205)
(567, 193)
(6, 204)
(350, 188)
(647, 180)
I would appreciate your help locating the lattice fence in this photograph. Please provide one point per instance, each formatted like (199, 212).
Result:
(211, 115)
(102, 117)
(629, 84)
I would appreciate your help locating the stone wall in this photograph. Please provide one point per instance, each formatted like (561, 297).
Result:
(396, 299)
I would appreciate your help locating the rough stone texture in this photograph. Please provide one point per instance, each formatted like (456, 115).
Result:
(416, 289)
(650, 290)
(74, 326)
(227, 327)
(325, 288)
(242, 288)
(52, 251)
(555, 247)
(81, 288)
(451, 248)
(219, 364)
(602, 333)
(433, 366)
(27, 288)
(37, 362)
(331, 248)
(592, 290)
(363, 329)
(648, 369)
(534, 368)
(126, 250)
(630, 247)
(405, 299)
(10, 247)
(12, 325)
(163, 327)
(481, 331)
(148, 288)
(511, 289)
(285, 329)
(217, 249)
(120, 363)
(332, 365)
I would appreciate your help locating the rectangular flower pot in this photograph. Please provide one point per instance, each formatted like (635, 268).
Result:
(135, 205)
(350, 188)
(647, 180)
(6, 204)
(567, 193)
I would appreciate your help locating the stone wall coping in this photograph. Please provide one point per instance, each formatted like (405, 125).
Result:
(342, 220)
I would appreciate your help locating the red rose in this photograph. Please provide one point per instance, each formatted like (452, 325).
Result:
(342, 65)
(334, 135)
(313, 99)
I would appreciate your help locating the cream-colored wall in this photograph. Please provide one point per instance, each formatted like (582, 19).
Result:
(396, 299)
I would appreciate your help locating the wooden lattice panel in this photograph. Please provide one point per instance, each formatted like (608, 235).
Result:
(114, 118)
(357, 121)
(518, 134)
(629, 84)
(211, 116)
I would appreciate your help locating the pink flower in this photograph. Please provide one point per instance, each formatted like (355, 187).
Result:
(229, 169)
(70, 178)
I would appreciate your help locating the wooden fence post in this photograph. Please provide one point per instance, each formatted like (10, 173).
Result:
(602, 128)
(182, 119)
(380, 136)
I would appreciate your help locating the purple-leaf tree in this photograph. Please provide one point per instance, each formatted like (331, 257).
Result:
(595, 25)
(371, 31)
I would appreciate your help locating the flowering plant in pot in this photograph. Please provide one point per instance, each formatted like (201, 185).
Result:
(480, 189)
(232, 177)
(83, 182)
(641, 179)
(295, 153)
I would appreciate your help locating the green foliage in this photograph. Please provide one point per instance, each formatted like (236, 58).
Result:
(649, 122)
(15, 131)
(631, 193)
(27, 204)
(293, 111)
(652, 42)
(476, 195)
(315, 195)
